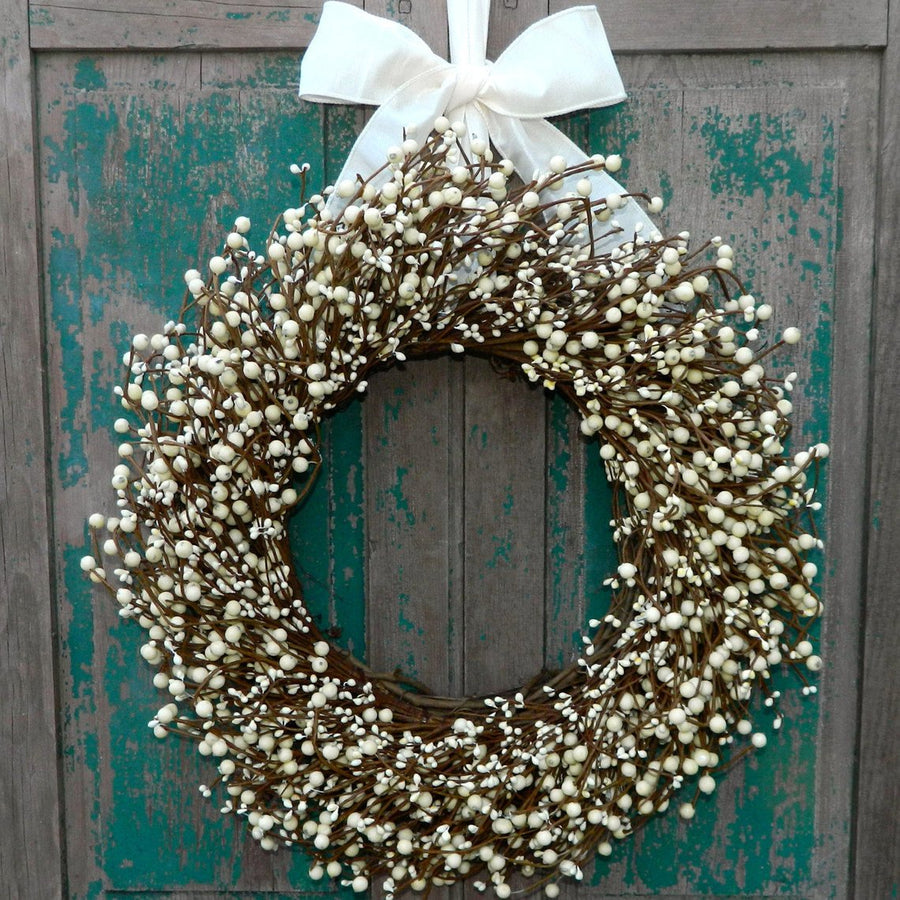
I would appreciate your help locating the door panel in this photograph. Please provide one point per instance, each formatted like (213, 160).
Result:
(459, 530)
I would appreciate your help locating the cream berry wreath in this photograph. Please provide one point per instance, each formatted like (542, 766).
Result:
(655, 346)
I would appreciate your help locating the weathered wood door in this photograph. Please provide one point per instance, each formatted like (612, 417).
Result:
(460, 530)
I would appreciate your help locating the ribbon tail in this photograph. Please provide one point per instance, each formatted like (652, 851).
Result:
(530, 144)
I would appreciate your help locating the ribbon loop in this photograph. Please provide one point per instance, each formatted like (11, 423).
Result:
(559, 64)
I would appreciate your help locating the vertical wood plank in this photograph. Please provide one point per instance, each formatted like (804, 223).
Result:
(411, 508)
(409, 430)
(427, 18)
(481, 577)
(505, 452)
(568, 455)
(509, 18)
(684, 148)
(877, 839)
(851, 370)
(112, 189)
(30, 847)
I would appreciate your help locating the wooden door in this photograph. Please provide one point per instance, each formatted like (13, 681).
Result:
(460, 529)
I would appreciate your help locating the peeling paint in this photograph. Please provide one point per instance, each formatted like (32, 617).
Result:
(753, 152)
(146, 214)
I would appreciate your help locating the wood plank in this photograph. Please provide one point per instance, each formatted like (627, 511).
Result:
(427, 18)
(30, 843)
(410, 416)
(418, 429)
(694, 25)
(509, 19)
(505, 453)
(683, 146)
(568, 456)
(457, 612)
(113, 263)
(173, 24)
(848, 301)
(411, 432)
(876, 870)
(429, 21)
(742, 25)
(843, 565)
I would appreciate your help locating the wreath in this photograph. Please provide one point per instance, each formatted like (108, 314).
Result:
(656, 347)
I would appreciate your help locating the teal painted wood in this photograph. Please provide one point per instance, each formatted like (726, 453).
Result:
(142, 176)
(736, 162)
(145, 163)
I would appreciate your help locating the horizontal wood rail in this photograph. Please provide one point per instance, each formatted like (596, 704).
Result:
(700, 26)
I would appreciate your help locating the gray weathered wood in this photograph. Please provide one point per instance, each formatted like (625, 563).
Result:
(485, 588)
(427, 19)
(877, 861)
(509, 20)
(31, 861)
(413, 459)
(566, 564)
(668, 92)
(188, 24)
(413, 612)
(744, 25)
(504, 531)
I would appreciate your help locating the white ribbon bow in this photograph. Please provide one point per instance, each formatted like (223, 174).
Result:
(557, 65)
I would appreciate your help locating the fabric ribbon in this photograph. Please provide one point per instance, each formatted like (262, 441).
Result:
(559, 64)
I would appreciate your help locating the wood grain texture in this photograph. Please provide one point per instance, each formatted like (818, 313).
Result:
(31, 860)
(504, 531)
(877, 862)
(495, 570)
(185, 24)
(113, 256)
(843, 565)
(425, 17)
(735, 143)
(744, 25)
(445, 602)
(509, 19)
(412, 421)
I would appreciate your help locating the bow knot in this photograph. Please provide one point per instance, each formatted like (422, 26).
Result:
(471, 81)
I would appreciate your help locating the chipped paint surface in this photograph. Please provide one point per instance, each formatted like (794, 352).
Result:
(142, 183)
(128, 214)
(767, 166)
